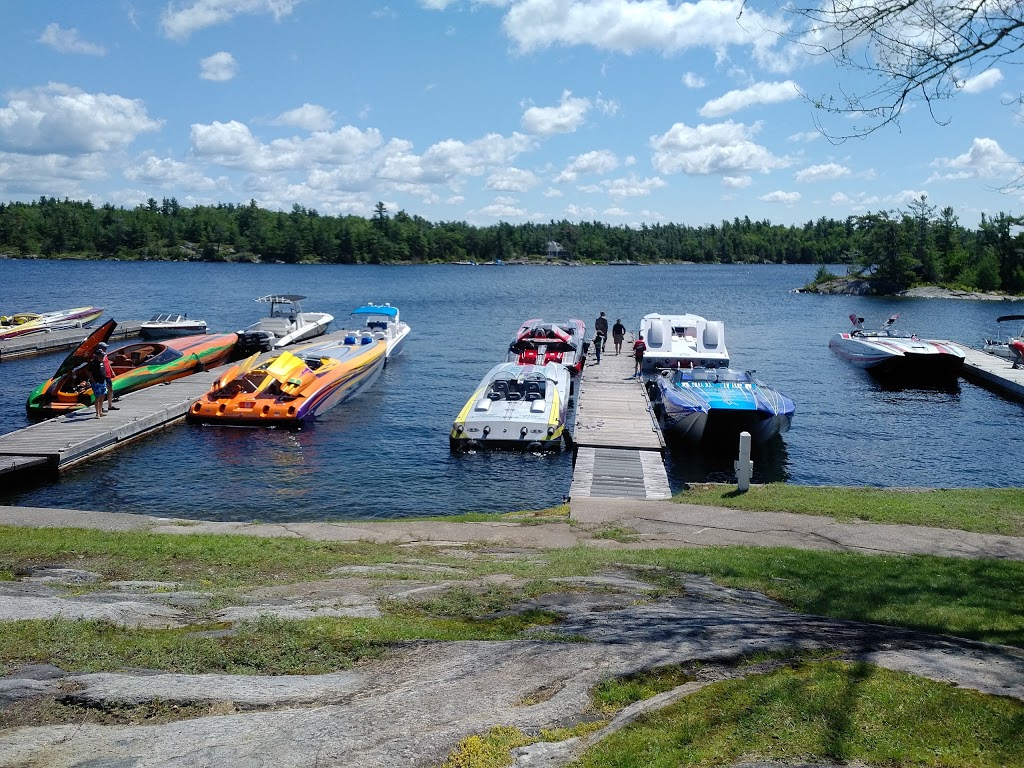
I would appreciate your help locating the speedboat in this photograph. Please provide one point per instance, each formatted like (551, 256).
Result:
(286, 324)
(698, 403)
(170, 324)
(383, 321)
(682, 341)
(135, 367)
(24, 323)
(890, 352)
(538, 342)
(515, 407)
(290, 389)
(1001, 344)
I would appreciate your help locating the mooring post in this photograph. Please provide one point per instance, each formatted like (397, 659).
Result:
(743, 465)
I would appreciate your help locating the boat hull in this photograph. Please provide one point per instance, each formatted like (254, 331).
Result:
(899, 357)
(719, 405)
(69, 390)
(498, 417)
(291, 390)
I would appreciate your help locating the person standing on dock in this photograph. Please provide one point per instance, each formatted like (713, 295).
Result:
(639, 347)
(108, 374)
(598, 345)
(98, 379)
(618, 334)
(600, 332)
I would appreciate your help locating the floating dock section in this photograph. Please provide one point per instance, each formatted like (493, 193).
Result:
(56, 341)
(55, 444)
(618, 445)
(994, 372)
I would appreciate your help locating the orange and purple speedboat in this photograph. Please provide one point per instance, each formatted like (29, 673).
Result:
(292, 388)
(135, 367)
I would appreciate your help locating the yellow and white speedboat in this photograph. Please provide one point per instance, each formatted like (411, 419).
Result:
(515, 407)
(23, 323)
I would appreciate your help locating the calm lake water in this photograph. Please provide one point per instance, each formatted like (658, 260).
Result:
(386, 453)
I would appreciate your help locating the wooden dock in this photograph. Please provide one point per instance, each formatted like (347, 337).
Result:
(62, 442)
(56, 341)
(996, 373)
(617, 440)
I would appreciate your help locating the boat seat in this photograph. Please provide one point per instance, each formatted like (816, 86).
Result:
(515, 396)
(500, 388)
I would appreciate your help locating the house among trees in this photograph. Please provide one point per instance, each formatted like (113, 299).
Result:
(555, 251)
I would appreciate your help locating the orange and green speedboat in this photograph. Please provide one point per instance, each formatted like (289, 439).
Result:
(135, 367)
(293, 387)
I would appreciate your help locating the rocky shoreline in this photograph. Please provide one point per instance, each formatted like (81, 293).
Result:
(858, 286)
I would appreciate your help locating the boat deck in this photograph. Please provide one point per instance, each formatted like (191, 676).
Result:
(617, 440)
(994, 372)
(55, 444)
(56, 341)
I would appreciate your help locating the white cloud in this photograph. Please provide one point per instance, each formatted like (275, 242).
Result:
(985, 159)
(553, 192)
(759, 93)
(626, 27)
(512, 180)
(631, 186)
(61, 119)
(181, 20)
(311, 117)
(581, 212)
(565, 118)
(219, 67)
(68, 41)
(721, 148)
(987, 79)
(786, 198)
(616, 212)
(600, 161)
(736, 182)
(32, 175)
(693, 80)
(805, 137)
(501, 211)
(169, 173)
(824, 172)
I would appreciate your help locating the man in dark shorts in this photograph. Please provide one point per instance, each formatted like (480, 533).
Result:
(618, 334)
(639, 347)
(98, 380)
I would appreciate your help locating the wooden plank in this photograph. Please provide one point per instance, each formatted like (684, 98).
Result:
(995, 372)
(619, 473)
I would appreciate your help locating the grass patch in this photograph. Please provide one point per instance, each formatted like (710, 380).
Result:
(494, 750)
(618, 693)
(616, 533)
(264, 646)
(822, 711)
(556, 514)
(982, 510)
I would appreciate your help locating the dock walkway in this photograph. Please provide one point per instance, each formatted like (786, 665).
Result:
(55, 341)
(617, 440)
(61, 442)
(994, 372)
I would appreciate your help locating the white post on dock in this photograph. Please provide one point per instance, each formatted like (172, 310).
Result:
(743, 465)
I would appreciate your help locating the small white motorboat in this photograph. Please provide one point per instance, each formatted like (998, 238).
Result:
(170, 324)
(1001, 345)
(889, 352)
(383, 322)
(682, 341)
(286, 324)
(515, 407)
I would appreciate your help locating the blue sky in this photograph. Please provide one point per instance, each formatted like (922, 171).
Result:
(623, 111)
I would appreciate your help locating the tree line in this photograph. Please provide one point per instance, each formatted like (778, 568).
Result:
(899, 248)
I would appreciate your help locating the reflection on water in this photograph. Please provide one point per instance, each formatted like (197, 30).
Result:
(386, 455)
(713, 462)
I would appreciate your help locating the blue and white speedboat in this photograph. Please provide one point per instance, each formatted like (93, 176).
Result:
(703, 403)
(383, 322)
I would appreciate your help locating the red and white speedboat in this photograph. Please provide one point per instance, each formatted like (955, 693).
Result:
(539, 342)
(891, 352)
